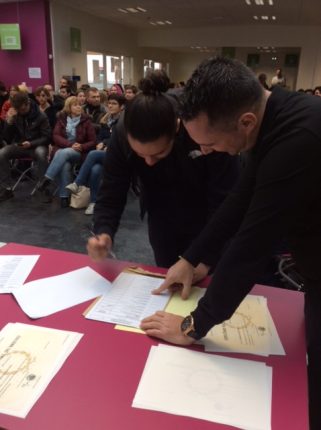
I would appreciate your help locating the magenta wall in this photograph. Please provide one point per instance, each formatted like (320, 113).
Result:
(33, 17)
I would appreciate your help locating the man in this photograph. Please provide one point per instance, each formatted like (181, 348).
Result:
(65, 92)
(278, 195)
(94, 108)
(130, 92)
(179, 187)
(27, 135)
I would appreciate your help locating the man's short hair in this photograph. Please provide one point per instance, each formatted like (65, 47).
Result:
(221, 88)
(91, 90)
(120, 99)
(20, 99)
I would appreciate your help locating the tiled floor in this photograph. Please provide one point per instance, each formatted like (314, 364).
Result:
(24, 219)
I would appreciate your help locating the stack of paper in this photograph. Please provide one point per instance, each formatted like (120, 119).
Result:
(129, 300)
(49, 295)
(14, 270)
(250, 330)
(213, 388)
(30, 357)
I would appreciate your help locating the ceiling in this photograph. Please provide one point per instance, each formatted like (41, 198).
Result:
(202, 13)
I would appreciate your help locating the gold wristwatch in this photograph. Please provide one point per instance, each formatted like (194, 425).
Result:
(188, 329)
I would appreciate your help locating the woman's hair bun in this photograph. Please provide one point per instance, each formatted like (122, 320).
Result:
(155, 82)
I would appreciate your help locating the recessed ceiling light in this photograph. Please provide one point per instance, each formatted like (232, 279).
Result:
(153, 23)
(255, 17)
(122, 10)
(273, 17)
(259, 2)
(248, 2)
(141, 9)
(264, 17)
(160, 22)
(271, 2)
(168, 22)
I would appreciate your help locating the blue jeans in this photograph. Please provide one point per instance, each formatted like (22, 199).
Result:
(60, 168)
(91, 171)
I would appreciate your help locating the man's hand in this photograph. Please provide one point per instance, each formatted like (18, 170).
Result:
(179, 275)
(166, 326)
(200, 272)
(25, 145)
(99, 247)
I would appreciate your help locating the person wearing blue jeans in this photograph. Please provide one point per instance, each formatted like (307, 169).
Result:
(60, 168)
(74, 137)
(90, 175)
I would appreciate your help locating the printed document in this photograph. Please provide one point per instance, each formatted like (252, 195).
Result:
(30, 357)
(214, 388)
(250, 330)
(14, 270)
(49, 295)
(129, 300)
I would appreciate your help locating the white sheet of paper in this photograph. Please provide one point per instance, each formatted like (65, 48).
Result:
(129, 300)
(30, 357)
(49, 295)
(214, 388)
(14, 270)
(247, 331)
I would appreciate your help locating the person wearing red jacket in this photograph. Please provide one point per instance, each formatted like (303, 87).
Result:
(73, 137)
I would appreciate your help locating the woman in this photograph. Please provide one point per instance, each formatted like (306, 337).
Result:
(43, 99)
(73, 137)
(91, 170)
(81, 96)
(7, 111)
(179, 187)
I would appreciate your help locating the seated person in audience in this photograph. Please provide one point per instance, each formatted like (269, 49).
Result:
(116, 89)
(7, 112)
(55, 99)
(65, 92)
(130, 92)
(3, 126)
(73, 137)
(65, 82)
(180, 187)
(317, 91)
(81, 97)
(91, 170)
(27, 135)
(44, 102)
(309, 91)
(4, 94)
(94, 108)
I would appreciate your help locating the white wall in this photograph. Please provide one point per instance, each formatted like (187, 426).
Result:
(306, 38)
(97, 35)
(100, 35)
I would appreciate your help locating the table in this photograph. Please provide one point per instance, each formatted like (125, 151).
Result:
(95, 387)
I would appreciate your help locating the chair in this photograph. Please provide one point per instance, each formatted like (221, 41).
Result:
(23, 173)
(289, 274)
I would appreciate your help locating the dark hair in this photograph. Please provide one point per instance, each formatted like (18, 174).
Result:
(2, 87)
(131, 87)
(68, 89)
(68, 80)
(151, 114)
(40, 90)
(20, 99)
(222, 88)
(317, 88)
(120, 99)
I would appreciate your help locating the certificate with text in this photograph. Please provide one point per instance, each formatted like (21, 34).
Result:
(30, 356)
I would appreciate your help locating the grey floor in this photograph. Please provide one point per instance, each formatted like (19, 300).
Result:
(24, 219)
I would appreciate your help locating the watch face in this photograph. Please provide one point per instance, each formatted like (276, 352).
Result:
(186, 323)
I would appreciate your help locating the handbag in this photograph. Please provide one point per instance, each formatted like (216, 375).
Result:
(81, 199)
